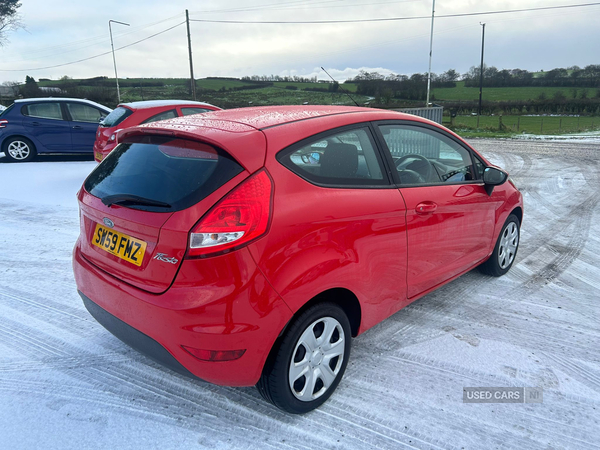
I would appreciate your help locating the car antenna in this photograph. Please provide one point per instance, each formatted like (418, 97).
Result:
(345, 91)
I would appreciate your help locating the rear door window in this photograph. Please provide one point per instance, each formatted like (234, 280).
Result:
(161, 174)
(43, 110)
(170, 114)
(190, 111)
(343, 158)
(84, 113)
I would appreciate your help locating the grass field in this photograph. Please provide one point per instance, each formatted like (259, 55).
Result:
(277, 96)
(213, 84)
(462, 93)
(350, 87)
(465, 125)
(231, 93)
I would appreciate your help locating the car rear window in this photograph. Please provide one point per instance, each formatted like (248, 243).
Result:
(161, 174)
(5, 111)
(117, 116)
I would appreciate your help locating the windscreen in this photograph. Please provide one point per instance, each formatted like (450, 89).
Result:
(161, 174)
(117, 116)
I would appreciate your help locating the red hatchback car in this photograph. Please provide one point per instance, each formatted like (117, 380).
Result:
(247, 247)
(130, 114)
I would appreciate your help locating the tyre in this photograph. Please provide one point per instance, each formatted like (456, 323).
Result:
(19, 149)
(505, 250)
(308, 364)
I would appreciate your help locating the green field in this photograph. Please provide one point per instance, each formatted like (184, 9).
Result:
(350, 87)
(462, 93)
(277, 96)
(232, 93)
(467, 125)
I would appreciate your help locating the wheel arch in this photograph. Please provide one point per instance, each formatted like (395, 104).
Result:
(342, 297)
(518, 211)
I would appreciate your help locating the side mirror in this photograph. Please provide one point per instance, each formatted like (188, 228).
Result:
(493, 177)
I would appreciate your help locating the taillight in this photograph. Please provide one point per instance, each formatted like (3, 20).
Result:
(3, 123)
(239, 218)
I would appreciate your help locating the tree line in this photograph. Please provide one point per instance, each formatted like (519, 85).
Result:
(573, 76)
(412, 87)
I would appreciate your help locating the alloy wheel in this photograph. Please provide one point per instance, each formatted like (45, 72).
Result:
(19, 150)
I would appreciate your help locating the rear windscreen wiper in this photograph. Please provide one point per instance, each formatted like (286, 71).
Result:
(130, 199)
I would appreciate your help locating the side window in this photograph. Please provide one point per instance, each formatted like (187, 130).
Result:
(43, 110)
(190, 111)
(84, 113)
(344, 158)
(423, 156)
(162, 116)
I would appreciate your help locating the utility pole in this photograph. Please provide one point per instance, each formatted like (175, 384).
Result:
(481, 72)
(430, 52)
(192, 81)
(113, 52)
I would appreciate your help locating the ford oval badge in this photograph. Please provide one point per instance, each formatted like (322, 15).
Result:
(109, 223)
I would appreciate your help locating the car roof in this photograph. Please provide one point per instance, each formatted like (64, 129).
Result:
(262, 117)
(62, 99)
(158, 103)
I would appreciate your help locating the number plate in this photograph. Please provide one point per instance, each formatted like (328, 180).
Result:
(119, 244)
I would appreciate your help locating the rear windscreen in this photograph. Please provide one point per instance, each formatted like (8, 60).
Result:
(7, 109)
(161, 174)
(117, 116)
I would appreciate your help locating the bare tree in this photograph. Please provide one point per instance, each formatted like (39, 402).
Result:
(9, 18)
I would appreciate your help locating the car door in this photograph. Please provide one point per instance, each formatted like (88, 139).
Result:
(84, 121)
(449, 215)
(348, 224)
(46, 124)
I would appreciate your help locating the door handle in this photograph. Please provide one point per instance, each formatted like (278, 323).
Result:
(77, 127)
(35, 124)
(426, 208)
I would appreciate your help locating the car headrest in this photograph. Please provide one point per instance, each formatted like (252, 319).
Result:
(339, 160)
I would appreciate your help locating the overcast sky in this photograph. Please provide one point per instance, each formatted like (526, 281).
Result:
(63, 31)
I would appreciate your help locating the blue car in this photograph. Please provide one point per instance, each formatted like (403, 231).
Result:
(49, 125)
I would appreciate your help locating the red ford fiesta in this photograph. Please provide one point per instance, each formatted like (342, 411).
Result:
(127, 115)
(247, 247)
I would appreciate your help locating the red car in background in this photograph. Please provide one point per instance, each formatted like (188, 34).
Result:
(135, 113)
(247, 247)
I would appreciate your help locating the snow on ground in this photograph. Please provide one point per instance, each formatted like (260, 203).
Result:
(66, 383)
(589, 137)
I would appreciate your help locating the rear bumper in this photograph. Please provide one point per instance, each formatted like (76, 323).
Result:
(134, 338)
(101, 151)
(221, 304)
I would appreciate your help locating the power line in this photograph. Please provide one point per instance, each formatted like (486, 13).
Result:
(266, 6)
(95, 56)
(82, 44)
(394, 19)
